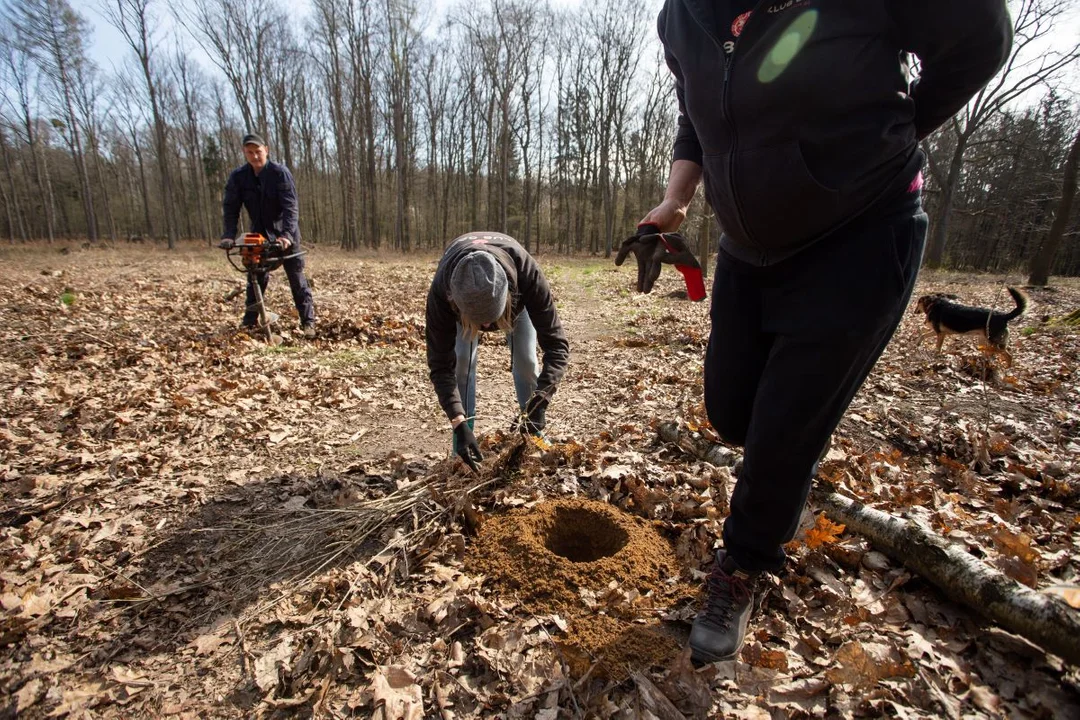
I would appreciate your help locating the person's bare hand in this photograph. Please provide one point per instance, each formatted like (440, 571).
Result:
(667, 216)
(284, 241)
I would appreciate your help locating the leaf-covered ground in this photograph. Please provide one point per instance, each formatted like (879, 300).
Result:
(196, 524)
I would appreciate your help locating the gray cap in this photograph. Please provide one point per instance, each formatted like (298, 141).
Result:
(478, 288)
(253, 139)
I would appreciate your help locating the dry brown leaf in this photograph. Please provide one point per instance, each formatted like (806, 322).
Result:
(759, 656)
(208, 643)
(395, 690)
(29, 695)
(824, 531)
(1069, 593)
(863, 664)
(267, 666)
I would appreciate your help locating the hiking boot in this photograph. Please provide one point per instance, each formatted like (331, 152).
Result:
(308, 330)
(720, 626)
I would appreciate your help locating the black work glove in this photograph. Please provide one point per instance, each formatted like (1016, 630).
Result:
(653, 248)
(466, 447)
(532, 419)
(226, 243)
(647, 251)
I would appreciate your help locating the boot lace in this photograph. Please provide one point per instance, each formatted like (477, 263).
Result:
(724, 593)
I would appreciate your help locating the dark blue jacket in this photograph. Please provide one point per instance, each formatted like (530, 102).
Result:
(270, 199)
(810, 121)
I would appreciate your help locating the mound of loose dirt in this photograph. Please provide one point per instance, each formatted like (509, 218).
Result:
(592, 563)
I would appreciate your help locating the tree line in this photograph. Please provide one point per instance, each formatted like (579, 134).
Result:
(404, 130)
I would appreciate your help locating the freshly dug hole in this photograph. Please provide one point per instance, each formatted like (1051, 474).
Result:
(595, 565)
(548, 554)
(584, 535)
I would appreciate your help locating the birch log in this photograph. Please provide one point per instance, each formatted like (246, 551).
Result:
(1044, 620)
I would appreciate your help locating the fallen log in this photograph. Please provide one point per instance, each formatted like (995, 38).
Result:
(1040, 618)
(699, 447)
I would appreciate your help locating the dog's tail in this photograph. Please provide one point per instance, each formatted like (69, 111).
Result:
(1021, 303)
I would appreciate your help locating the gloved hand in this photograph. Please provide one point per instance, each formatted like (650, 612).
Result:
(226, 243)
(533, 418)
(651, 248)
(465, 445)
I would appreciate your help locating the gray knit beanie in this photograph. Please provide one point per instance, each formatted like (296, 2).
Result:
(478, 288)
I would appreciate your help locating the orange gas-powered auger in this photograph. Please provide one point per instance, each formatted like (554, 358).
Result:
(258, 256)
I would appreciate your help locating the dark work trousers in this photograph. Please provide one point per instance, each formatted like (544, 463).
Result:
(790, 346)
(301, 293)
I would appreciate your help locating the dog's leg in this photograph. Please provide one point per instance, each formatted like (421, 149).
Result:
(940, 340)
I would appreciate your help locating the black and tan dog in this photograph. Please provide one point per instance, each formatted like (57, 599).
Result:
(949, 318)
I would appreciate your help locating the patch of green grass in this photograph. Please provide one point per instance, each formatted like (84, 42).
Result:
(294, 350)
(1028, 331)
(357, 358)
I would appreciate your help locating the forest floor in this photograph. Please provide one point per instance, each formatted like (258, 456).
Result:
(196, 524)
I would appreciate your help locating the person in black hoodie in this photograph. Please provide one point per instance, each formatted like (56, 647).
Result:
(803, 121)
(487, 282)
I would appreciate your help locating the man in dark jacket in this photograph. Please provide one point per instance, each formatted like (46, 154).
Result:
(487, 282)
(800, 117)
(266, 189)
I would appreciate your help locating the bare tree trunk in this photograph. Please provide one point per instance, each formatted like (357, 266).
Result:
(18, 62)
(1043, 261)
(11, 202)
(138, 37)
(148, 223)
(103, 187)
(935, 249)
(50, 197)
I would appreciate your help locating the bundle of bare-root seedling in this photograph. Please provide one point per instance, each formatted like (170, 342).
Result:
(274, 553)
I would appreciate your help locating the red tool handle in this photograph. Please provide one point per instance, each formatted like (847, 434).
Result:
(695, 282)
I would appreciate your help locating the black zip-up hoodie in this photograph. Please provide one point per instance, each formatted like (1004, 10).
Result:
(529, 290)
(810, 121)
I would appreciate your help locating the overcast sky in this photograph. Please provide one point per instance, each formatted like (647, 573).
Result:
(109, 49)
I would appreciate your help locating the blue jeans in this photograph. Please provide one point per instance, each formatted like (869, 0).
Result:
(523, 364)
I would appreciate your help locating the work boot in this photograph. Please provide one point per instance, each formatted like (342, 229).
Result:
(308, 330)
(720, 626)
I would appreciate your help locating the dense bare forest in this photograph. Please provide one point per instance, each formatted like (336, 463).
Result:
(404, 128)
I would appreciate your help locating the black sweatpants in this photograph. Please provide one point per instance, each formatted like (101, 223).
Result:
(301, 293)
(790, 346)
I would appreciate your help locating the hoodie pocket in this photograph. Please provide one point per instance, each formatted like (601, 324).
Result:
(782, 204)
(718, 193)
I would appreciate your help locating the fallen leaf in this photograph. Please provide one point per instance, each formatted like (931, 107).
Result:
(824, 531)
(266, 667)
(395, 691)
(29, 695)
(206, 644)
(863, 664)
(1068, 593)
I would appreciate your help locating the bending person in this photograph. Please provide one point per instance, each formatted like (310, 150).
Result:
(487, 282)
